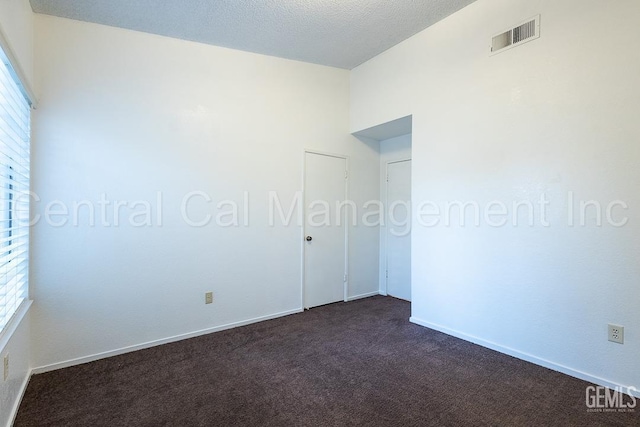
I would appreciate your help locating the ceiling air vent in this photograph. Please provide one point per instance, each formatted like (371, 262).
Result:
(525, 32)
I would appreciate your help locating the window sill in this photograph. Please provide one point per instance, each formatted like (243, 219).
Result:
(16, 320)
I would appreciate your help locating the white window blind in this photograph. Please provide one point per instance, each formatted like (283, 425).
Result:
(15, 119)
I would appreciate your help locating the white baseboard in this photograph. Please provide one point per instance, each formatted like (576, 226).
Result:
(16, 405)
(361, 296)
(117, 352)
(526, 357)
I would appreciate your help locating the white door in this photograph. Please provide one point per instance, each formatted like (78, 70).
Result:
(325, 231)
(398, 229)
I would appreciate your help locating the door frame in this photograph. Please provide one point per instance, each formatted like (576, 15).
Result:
(304, 223)
(385, 250)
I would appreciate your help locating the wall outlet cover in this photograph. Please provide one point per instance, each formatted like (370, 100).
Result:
(616, 333)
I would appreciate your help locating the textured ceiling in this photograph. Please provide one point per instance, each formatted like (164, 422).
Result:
(339, 33)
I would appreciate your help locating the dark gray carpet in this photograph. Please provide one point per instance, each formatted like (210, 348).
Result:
(355, 364)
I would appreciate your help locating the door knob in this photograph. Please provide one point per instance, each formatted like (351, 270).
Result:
(309, 238)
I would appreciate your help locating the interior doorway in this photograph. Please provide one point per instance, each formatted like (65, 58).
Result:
(398, 230)
(395, 139)
(395, 232)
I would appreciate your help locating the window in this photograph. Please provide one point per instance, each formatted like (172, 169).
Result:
(15, 118)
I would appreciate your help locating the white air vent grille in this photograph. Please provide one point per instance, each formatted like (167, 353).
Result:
(527, 31)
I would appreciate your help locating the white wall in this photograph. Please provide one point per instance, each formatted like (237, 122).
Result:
(16, 24)
(555, 115)
(130, 114)
(391, 150)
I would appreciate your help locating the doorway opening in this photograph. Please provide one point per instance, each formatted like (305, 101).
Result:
(395, 233)
(397, 230)
(395, 139)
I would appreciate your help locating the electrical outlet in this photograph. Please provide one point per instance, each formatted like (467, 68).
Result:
(208, 298)
(6, 367)
(616, 333)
